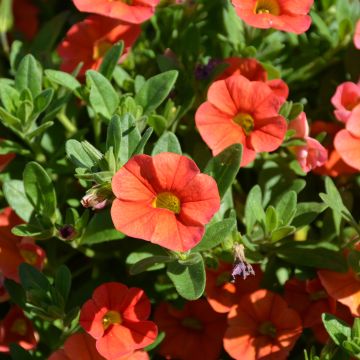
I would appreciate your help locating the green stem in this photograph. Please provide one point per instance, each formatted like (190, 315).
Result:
(67, 123)
(4, 43)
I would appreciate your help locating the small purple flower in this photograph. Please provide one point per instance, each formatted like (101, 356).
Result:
(241, 266)
(203, 72)
(67, 232)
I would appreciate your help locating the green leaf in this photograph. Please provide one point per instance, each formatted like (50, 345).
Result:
(43, 100)
(225, 166)
(271, 219)
(31, 278)
(338, 330)
(38, 131)
(296, 110)
(282, 232)
(111, 59)
(144, 252)
(307, 212)
(130, 138)
(19, 353)
(29, 75)
(155, 90)
(78, 156)
(100, 229)
(286, 208)
(189, 280)
(63, 79)
(9, 97)
(141, 145)
(215, 234)
(254, 212)
(15, 195)
(16, 292)
(40, 190)
(114, 136)
(11, 147)
(10, 121)
(321, 255)
(63, 281)
(29, 230)
(168, 142)
(149, 263)
(103, 98)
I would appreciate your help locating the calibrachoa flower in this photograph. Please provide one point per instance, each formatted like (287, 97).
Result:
(16, 328)
(15, 250)
(26, 17)
(344, 287)
(347, 141)
(285, 15)
(253, 71)
(357, 35)
(221, 293)
(164, 199)
(116, 317)
(244, 112)
(194, 332)
(312, 154)
(261, 326)
(334, 166)
(130, 11)
(89, 40)
(345, 99)
(82, 346)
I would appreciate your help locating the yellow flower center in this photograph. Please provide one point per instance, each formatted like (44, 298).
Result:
(19, 327)
(267, 7)
(100, 48)
(168, 201)
(29, 256)
(246, 121)
(110, 318)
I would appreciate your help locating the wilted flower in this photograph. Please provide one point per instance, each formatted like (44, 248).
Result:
(97, 198)
(241, 266)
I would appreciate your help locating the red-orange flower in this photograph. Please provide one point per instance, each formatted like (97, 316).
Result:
(16, 328)
(194, 332)
(347, 141)
(14, 250)
(261, 326)
(345, 99)
(130, 11)
(223, 294)
(285, 15)
(116, 318)
(334, 166)
(244, 112)
(253, 71)
(344, 287)
(26, 18)
(82, 346)
(88, 41)
(164, 199)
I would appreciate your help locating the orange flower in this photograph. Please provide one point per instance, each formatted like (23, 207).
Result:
(253, 71)
(16, 328)
(285, 15)
(115, 317)
(223, 294)
(344, 287)
(334, 166)
(164, 199)
(88, 41)
(345, 99)
(5, 160)
(261, 326)
(195, 332)
(14, 250)
(244, 112)
(82, 346)
(130, 11)
(347, 141)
